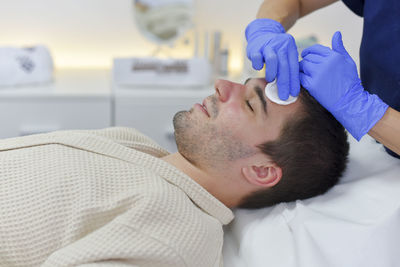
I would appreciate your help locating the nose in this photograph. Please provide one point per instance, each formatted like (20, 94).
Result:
(227, 90)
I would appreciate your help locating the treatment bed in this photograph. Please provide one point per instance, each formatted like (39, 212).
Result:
(356, 223)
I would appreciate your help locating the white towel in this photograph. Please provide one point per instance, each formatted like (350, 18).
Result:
(23, 66)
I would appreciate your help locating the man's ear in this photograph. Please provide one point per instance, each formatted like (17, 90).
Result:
(267, 175)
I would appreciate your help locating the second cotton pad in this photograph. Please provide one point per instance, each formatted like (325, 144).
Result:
(271, 91)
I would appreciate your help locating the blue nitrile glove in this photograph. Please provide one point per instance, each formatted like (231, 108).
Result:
(330, 75)
(267, 42)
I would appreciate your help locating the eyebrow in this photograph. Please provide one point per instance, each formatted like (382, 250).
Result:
(260, 95)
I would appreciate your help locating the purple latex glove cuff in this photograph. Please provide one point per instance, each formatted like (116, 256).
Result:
(359, 111)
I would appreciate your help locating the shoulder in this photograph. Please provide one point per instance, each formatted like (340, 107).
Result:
(131, 138)
(128, 137)
(118, 134)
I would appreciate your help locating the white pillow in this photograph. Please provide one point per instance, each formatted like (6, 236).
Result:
(356, 223)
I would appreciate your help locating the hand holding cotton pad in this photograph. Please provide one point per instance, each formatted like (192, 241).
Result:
(271, 91)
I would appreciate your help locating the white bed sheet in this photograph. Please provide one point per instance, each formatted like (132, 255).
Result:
(357, 223)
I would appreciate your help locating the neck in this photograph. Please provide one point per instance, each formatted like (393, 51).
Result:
(210, 182)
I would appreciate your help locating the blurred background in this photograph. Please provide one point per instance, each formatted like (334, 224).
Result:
(72, 64)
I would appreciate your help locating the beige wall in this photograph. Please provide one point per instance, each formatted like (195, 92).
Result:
(89, 33)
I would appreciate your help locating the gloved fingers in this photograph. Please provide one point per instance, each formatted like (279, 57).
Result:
(271, 63)
(306, 67)
(293, 58)
(314, 58)
(283, 74)
(305, 80)
(337, 44)
(301, 67)
(316, 49)
(257, 60)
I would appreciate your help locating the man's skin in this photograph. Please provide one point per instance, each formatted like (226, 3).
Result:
(387, 130)
(287, 12)
(218, 147)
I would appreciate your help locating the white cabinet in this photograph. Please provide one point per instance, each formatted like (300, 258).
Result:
(78, 99)
(23, 116)
(151, 110)
(85, 99)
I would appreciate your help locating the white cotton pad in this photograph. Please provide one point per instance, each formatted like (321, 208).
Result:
(271, 91)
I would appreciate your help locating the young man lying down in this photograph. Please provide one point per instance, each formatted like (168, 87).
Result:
(113, 197)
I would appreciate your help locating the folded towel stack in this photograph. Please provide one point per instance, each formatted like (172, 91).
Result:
(23, 66)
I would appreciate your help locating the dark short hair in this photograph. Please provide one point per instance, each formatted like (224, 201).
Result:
(312, 151)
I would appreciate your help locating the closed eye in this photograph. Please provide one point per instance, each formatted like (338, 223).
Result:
(248, 104)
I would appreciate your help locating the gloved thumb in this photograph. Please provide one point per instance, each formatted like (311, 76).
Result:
(337, 44)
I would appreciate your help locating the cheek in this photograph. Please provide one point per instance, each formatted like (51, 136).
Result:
(241, 125)
(233, 118)
(250, 130)
(233, 111)
(234, 114)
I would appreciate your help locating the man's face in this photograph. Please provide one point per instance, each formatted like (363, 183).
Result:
(234, 120)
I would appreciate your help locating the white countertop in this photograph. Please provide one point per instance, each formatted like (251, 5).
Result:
(96, 83)
(67, 82)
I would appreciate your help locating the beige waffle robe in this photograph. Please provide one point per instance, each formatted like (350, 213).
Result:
(103, 198)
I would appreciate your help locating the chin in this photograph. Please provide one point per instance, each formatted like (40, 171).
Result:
(188, 137)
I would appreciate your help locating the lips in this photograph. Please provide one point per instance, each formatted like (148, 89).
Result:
(204, 107)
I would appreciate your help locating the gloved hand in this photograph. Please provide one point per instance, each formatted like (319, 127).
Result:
(267, 42)
(330, 75)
